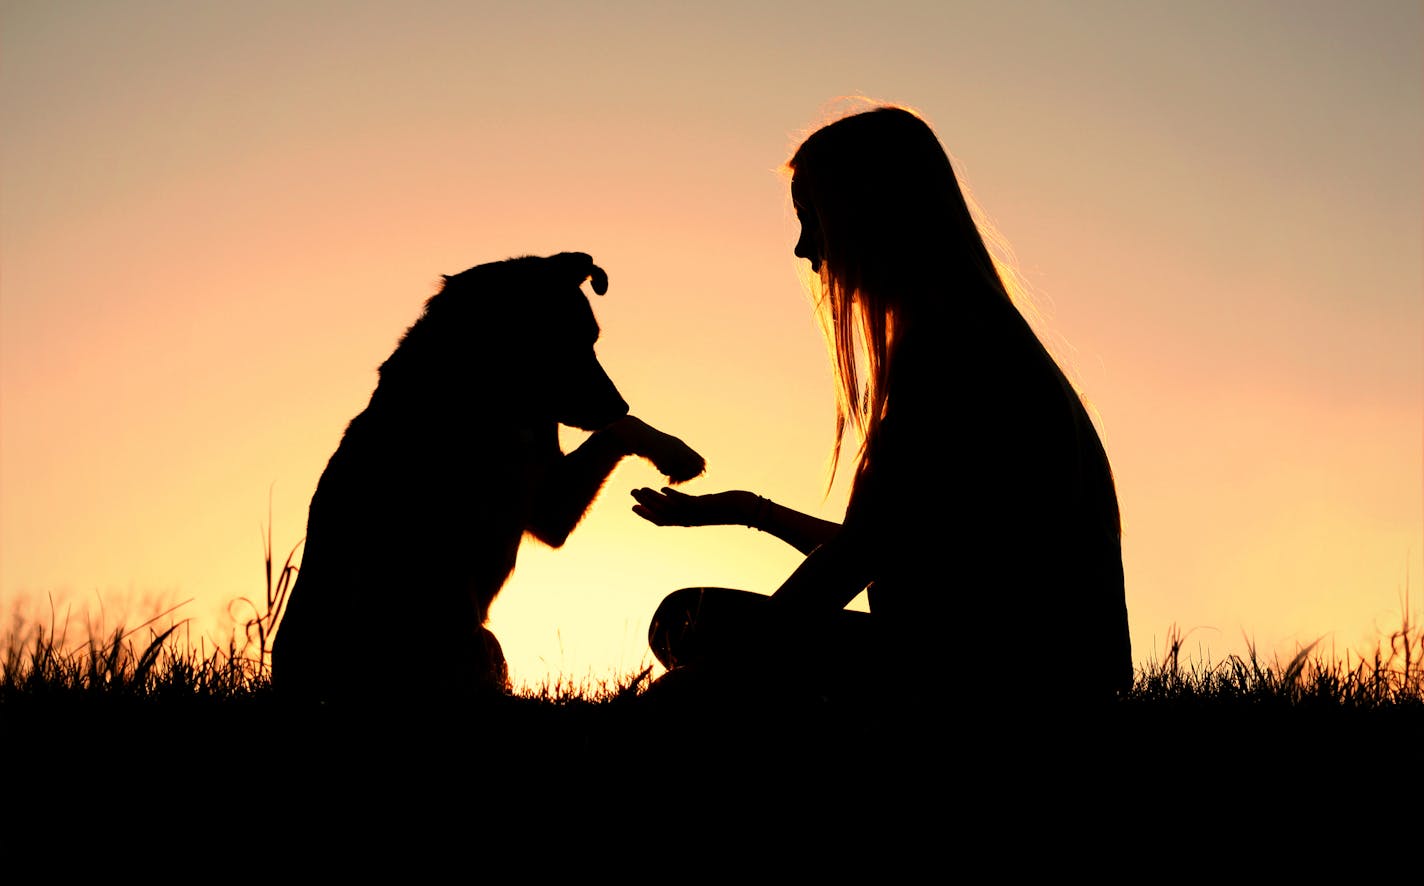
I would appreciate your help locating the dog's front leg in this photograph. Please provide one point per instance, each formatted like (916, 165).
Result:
(573, 480)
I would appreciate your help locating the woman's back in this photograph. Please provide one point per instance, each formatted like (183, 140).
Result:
(988, 502)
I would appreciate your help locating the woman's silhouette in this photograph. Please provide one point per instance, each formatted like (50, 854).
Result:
(983, 515)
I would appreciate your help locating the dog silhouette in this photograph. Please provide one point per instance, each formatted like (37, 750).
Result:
(416, 522)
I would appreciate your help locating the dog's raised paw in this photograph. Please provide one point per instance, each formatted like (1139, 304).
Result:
(680, 462)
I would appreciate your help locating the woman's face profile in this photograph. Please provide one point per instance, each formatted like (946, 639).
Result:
(810, 246)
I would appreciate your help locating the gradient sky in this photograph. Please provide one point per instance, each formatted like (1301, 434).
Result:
(217, 219)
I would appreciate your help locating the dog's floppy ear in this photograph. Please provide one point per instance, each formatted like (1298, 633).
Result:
(580, 265)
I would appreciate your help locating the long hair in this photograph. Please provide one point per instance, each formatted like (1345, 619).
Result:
(897, 240)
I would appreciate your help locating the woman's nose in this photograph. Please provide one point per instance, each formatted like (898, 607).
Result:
(809, 248)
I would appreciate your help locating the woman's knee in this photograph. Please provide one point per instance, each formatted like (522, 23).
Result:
(680, 601)
(670, 621)
(693, 623)
(677, 608)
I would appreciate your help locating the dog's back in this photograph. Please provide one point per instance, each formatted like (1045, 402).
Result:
(417, 519)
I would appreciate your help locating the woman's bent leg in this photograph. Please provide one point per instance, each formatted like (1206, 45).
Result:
(741, 633)
(701, 626)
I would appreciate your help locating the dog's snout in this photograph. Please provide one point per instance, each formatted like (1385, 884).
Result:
(595, 403)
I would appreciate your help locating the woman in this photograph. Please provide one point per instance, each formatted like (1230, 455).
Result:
(983, 515)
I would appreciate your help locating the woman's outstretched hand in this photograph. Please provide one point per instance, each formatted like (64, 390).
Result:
(735, 507)
(672, 508)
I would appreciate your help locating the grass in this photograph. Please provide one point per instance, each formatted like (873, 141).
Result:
(157, 662)
(1391, 677)
(122, 707)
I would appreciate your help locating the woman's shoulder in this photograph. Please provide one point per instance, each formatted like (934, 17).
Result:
(979, 414)
(1000, 367)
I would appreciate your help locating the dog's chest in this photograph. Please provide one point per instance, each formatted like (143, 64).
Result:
(536, 451)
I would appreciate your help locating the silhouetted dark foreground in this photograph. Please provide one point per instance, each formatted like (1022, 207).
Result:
(836, 782)
(573, 758)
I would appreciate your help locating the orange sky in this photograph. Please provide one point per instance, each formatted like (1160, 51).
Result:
(216, 222)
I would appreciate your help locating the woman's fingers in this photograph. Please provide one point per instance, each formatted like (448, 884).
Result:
(649, 505)
(666, 508)
(648, 498)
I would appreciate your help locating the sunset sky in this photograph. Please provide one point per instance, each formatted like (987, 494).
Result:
(216, 220)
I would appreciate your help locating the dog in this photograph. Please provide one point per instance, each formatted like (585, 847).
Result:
(417, 520)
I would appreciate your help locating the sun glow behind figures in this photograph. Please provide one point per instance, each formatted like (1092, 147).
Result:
(208, 245)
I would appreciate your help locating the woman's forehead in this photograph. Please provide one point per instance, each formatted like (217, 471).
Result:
(799, 196)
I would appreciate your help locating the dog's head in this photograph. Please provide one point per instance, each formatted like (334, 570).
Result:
(534, 320)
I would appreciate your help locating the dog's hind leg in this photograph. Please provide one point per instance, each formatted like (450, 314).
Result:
(493, 670)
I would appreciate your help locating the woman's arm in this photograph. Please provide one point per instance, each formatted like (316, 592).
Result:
(734, 508)
(826, 580)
